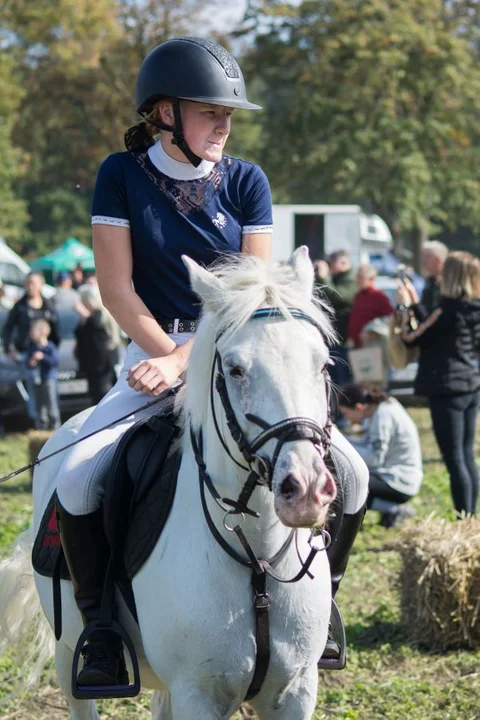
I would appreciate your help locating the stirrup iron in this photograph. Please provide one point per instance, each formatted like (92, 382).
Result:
(99, 692)
(338, 633)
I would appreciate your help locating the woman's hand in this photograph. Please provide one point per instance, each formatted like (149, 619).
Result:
(155, 375)
(406, 293)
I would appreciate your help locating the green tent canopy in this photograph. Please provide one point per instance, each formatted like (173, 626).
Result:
(66, 257)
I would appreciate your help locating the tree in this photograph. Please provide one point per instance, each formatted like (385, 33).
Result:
(13, 214)
(77, 62)
(371, 101)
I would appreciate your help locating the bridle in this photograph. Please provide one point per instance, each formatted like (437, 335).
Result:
(260, 474)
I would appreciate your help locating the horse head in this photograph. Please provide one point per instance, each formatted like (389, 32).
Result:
(261, 348)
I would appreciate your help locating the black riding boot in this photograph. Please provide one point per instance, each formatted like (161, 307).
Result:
(87, 554)
(338, 554)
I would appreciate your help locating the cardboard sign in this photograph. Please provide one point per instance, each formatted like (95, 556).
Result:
(366, 364)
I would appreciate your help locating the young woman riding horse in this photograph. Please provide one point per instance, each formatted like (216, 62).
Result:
(172, 193)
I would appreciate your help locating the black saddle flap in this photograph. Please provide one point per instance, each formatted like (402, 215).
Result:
(136, 464)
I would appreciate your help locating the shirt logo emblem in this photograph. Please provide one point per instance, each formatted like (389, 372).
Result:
(219, 220)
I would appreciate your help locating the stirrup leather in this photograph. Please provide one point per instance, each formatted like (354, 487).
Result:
(337, 630)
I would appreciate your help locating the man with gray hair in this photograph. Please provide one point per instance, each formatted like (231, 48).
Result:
(432, 259)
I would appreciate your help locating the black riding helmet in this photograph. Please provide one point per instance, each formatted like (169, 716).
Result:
(190, 68)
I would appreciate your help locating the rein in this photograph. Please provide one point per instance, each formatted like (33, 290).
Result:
(38, 460)
(261, 472)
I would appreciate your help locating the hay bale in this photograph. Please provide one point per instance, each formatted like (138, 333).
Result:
(36, 440)
(440, 583)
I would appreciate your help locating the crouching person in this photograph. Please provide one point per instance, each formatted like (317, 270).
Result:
(390, 448)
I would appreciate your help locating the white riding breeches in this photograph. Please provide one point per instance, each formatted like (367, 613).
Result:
(79, 487)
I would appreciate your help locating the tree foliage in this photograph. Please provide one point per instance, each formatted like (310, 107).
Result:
(372, 101)
(76, 63)
(13, 215)
(369, 101)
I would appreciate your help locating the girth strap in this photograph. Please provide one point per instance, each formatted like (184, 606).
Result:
(261, 602)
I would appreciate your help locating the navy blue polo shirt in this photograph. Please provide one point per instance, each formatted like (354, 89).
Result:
(203, 218)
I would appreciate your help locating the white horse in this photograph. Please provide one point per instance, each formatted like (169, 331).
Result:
(195, 636)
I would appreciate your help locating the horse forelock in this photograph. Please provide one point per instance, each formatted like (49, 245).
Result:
(247, 284)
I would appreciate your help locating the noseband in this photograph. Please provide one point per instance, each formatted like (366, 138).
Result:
(260, 473)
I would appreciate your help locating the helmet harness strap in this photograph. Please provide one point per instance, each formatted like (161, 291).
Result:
(178, 138)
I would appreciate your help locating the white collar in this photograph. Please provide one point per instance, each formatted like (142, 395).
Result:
(175, 169)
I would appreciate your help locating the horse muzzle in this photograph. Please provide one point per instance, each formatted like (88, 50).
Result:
(303, 495)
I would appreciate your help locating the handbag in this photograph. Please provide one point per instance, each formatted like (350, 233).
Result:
(401, 354)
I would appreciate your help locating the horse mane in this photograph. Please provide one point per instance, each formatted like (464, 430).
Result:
(248, 284)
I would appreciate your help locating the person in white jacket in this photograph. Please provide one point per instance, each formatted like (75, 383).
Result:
(390, 449)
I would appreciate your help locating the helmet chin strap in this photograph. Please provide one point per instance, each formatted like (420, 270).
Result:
(177, 129)
(178, 138)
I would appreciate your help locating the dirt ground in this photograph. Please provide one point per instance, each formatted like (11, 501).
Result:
(48, 703)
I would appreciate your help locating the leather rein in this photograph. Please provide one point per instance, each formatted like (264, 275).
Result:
(260, 473)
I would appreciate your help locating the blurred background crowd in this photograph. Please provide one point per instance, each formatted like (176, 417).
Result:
(61, 349)
(437, 334)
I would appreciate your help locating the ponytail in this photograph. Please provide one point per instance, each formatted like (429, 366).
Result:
(138, 137)
(375, 396)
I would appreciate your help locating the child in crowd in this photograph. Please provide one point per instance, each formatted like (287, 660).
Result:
(390, 449)
(42, 361)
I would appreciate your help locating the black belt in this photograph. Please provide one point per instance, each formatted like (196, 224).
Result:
(177, 325)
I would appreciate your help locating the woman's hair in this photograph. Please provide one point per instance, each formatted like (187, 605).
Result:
(350, 395)
(141, 136)
(461, 276)
(91, 298)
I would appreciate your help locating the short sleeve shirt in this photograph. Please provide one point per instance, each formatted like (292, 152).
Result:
(202, 218)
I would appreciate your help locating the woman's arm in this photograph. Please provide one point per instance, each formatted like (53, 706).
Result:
(374, 448)
(428, 331)
(258, 244)
(113, 262)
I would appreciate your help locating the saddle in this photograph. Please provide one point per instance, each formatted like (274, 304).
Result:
(140, 485)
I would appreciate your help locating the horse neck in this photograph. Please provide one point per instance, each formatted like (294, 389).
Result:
(266, 534)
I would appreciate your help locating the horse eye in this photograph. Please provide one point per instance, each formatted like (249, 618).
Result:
(237, 372)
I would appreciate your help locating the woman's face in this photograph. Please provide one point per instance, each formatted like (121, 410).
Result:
(353, 415)
(205, 127)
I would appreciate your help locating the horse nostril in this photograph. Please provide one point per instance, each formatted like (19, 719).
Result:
(289, 487)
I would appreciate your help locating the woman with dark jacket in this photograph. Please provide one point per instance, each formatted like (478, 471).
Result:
(448, 375)
(98, 340)
(31, 307)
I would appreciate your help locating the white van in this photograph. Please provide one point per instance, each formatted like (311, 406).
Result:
(12, 273)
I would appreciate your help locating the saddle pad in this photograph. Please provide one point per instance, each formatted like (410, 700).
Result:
(139, 492)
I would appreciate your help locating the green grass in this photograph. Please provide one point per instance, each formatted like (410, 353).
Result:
(386, 677)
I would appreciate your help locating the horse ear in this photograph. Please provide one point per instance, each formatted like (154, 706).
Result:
(301, 263)
(207, 285)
